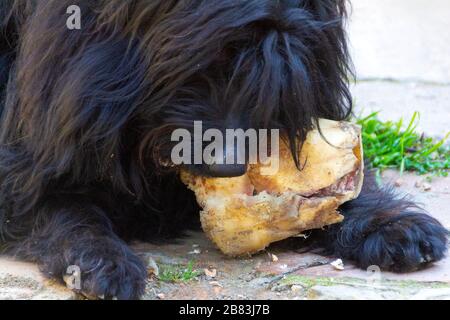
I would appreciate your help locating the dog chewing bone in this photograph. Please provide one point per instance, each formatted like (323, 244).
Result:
(243, 215)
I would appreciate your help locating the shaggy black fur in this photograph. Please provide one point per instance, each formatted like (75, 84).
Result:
(384, 229)
(88, 113)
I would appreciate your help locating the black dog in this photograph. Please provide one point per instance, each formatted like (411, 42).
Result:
(87, 117)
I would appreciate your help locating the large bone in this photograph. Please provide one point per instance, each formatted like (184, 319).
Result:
(243, 215)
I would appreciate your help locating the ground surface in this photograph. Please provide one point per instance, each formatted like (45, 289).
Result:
(294, 276)
(401, 54)
(401, 51)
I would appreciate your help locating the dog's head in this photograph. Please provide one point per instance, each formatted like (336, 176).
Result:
(137, 70)
(246, 64)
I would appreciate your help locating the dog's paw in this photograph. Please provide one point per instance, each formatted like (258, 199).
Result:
(111, 278)
(403, 243)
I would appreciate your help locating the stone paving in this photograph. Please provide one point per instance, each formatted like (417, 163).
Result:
(402, 40)
(395, 100)
(287, 275)
(401, 52)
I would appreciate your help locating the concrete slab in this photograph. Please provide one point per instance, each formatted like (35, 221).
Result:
(395, 100)
(23, 281)
(401, 39)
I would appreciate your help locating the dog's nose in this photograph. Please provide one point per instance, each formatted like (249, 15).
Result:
(232, 163)
(227, 170)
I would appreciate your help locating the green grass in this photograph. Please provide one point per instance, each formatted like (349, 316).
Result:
(178, 273)
(398, 145)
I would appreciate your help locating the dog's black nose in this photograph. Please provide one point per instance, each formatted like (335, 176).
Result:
(227, 170)
(232, 163)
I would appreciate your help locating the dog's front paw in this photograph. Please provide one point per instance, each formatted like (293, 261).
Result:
(120, 277)
(403, 243)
